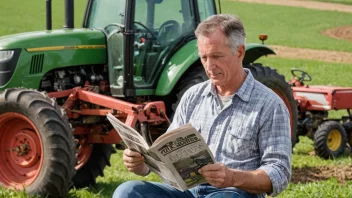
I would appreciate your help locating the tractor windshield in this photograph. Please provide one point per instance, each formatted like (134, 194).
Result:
(159, 25)
(103, 13)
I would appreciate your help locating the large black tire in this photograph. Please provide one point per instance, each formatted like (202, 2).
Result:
(348, 128)
(330, 140)
(38, 143)
(270, 78)
(99, 159)
(193, 76)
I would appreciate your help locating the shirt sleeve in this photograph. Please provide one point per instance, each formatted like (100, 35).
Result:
(275, 146)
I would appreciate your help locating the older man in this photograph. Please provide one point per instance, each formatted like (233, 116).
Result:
(245, 124)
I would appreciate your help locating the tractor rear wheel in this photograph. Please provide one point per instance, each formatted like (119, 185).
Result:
(36, 144)
(92, 159)
(329, 140)
(276, 82)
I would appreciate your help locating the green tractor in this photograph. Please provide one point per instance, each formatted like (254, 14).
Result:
(132, 58)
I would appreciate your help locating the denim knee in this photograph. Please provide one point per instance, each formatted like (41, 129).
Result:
(127, 189)
(225, 194)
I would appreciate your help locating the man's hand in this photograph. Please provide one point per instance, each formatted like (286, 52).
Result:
(134, 162)
(218, 175)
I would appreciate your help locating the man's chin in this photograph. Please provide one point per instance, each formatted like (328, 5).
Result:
(216, 82)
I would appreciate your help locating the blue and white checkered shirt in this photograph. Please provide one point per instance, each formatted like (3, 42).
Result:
(251, 131)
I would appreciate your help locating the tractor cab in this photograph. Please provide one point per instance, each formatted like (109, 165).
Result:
(142, 35)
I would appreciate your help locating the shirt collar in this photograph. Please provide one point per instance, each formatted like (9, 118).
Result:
(243, 92)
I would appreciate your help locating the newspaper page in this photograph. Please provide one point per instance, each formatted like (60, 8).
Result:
(175, 156)
(185, 151)
(135, 142)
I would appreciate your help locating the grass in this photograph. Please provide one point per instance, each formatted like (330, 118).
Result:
(24, 16)
(296, 27)
(347, 2)
(329, 188)
(290, 26)
(322, 73)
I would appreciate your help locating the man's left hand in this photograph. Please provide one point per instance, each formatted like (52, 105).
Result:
(218, 175)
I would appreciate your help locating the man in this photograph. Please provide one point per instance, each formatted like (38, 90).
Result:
(245, 124)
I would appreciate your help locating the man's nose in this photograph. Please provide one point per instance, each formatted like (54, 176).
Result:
(210, 64)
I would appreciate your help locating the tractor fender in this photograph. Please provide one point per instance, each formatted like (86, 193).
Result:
(176, 67)
(255, 51)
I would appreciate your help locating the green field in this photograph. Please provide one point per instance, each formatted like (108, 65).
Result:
(288, 26)
(347, 2)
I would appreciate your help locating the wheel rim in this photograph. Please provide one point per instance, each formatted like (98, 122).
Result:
(334, 140)
(83, 153)
(287, 103)
(20, 151)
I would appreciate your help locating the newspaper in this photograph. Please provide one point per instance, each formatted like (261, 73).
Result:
(175, 156)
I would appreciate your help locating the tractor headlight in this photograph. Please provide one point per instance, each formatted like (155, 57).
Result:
(6, 55)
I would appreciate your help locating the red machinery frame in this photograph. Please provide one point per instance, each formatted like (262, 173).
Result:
(322, 98)
(153, 113)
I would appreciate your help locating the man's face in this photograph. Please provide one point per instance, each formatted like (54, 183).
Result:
(220, 62)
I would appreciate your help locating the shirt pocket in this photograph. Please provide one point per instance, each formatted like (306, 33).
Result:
(239, 143)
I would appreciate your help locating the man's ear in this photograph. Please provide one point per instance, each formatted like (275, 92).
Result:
(241, 50)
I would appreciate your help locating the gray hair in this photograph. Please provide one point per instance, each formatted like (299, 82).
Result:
(230, 25)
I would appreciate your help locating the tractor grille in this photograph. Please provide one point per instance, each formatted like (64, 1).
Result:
(37, 64)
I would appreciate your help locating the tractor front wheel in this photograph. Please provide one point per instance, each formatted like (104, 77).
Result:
(92, 159)
(330, 140)
(36, 145)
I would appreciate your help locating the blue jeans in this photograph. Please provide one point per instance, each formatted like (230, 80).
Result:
(144, 189)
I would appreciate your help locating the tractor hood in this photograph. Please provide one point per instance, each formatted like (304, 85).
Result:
(27, 57)
(54, 40)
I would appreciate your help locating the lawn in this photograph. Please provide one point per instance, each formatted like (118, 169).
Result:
(295, 27)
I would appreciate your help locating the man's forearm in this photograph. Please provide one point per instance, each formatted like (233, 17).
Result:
(256, 181)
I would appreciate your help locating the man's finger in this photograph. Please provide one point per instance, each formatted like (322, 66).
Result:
(131, 153)
(132, 165)
(132, 159)
(211, 167)
(211, 174)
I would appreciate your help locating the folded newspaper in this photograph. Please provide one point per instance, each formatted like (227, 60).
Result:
(175, 156)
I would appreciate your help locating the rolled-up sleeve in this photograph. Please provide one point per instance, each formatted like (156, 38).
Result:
(275, 147)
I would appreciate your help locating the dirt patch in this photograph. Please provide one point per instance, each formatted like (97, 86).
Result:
(313, 174)
(344, 32)
(304, 4)
(311, 54)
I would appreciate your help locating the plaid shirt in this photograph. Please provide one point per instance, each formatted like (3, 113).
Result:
(251, 132)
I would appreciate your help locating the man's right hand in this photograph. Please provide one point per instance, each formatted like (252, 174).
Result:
(134, 162)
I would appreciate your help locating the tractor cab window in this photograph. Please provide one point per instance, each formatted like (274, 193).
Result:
(206, 8)
(103, 13)
(159, 25)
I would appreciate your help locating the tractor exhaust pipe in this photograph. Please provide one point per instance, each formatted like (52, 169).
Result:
(69, 6)
(48, 15)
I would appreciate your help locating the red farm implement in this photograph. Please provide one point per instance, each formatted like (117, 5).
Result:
(314, 103)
